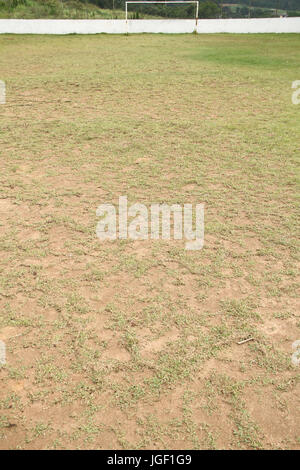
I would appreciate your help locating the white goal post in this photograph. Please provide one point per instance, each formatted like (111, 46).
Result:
(164, 3)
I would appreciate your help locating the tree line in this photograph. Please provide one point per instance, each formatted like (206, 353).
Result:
(207, 8)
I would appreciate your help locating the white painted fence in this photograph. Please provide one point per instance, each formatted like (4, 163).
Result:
(249, 25)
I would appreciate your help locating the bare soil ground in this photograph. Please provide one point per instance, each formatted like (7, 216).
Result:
(133, 344)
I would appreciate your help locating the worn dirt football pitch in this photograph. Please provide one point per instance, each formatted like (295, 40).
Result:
(133, 344)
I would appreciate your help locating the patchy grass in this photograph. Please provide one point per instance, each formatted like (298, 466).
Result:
(134, 344)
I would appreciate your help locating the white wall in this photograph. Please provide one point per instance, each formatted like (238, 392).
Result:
(261, 25)
(250, 25)
(62, 26)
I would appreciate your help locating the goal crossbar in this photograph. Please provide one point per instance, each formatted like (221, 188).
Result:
(196, 2)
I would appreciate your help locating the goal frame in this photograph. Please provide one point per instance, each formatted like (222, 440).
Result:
(164, 3)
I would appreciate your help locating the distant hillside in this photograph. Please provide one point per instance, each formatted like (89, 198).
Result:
(272, 4)
(107, 9)
(260, 8)
(64, 9)
(264, 4)
(28, 9)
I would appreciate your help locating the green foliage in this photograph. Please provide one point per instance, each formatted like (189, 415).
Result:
(115, 9)
(276, 4)
(209, 9)
(50, 9)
